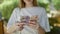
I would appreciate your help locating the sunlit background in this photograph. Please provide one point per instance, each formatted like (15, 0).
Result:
(52, 8)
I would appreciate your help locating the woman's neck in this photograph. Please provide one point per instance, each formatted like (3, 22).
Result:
(29, 5)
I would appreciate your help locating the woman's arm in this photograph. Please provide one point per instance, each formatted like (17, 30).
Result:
(12, 29)
(11, 23)
(5, 29)
(41, 31)
(44, 22)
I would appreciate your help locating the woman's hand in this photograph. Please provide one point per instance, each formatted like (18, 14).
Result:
(20, 26)
(33, 24)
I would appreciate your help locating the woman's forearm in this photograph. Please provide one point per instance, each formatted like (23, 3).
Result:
(41, 31)
(11, 29)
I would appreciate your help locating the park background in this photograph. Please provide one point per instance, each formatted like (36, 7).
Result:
(52, 8)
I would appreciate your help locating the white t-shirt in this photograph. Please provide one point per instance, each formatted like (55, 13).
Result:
(43, 19)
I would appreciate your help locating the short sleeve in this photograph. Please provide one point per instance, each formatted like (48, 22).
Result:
(44, 22)
(12, 19)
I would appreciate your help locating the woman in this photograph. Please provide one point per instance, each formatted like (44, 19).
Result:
(28, 8)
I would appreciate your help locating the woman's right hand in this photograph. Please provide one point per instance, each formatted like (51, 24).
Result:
(20, 26)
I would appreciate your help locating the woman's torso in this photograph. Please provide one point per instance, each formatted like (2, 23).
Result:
(32, 11)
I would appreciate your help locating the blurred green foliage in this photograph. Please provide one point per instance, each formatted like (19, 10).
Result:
(7, 6)
(57, 4)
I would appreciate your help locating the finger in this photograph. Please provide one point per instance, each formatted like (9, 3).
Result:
(34, 23)
(31, 25)
(22, 24)
(17, 24)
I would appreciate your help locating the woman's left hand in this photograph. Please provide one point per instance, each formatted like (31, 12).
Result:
(33, 24)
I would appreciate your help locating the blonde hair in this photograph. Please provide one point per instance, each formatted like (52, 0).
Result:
(22, 4)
